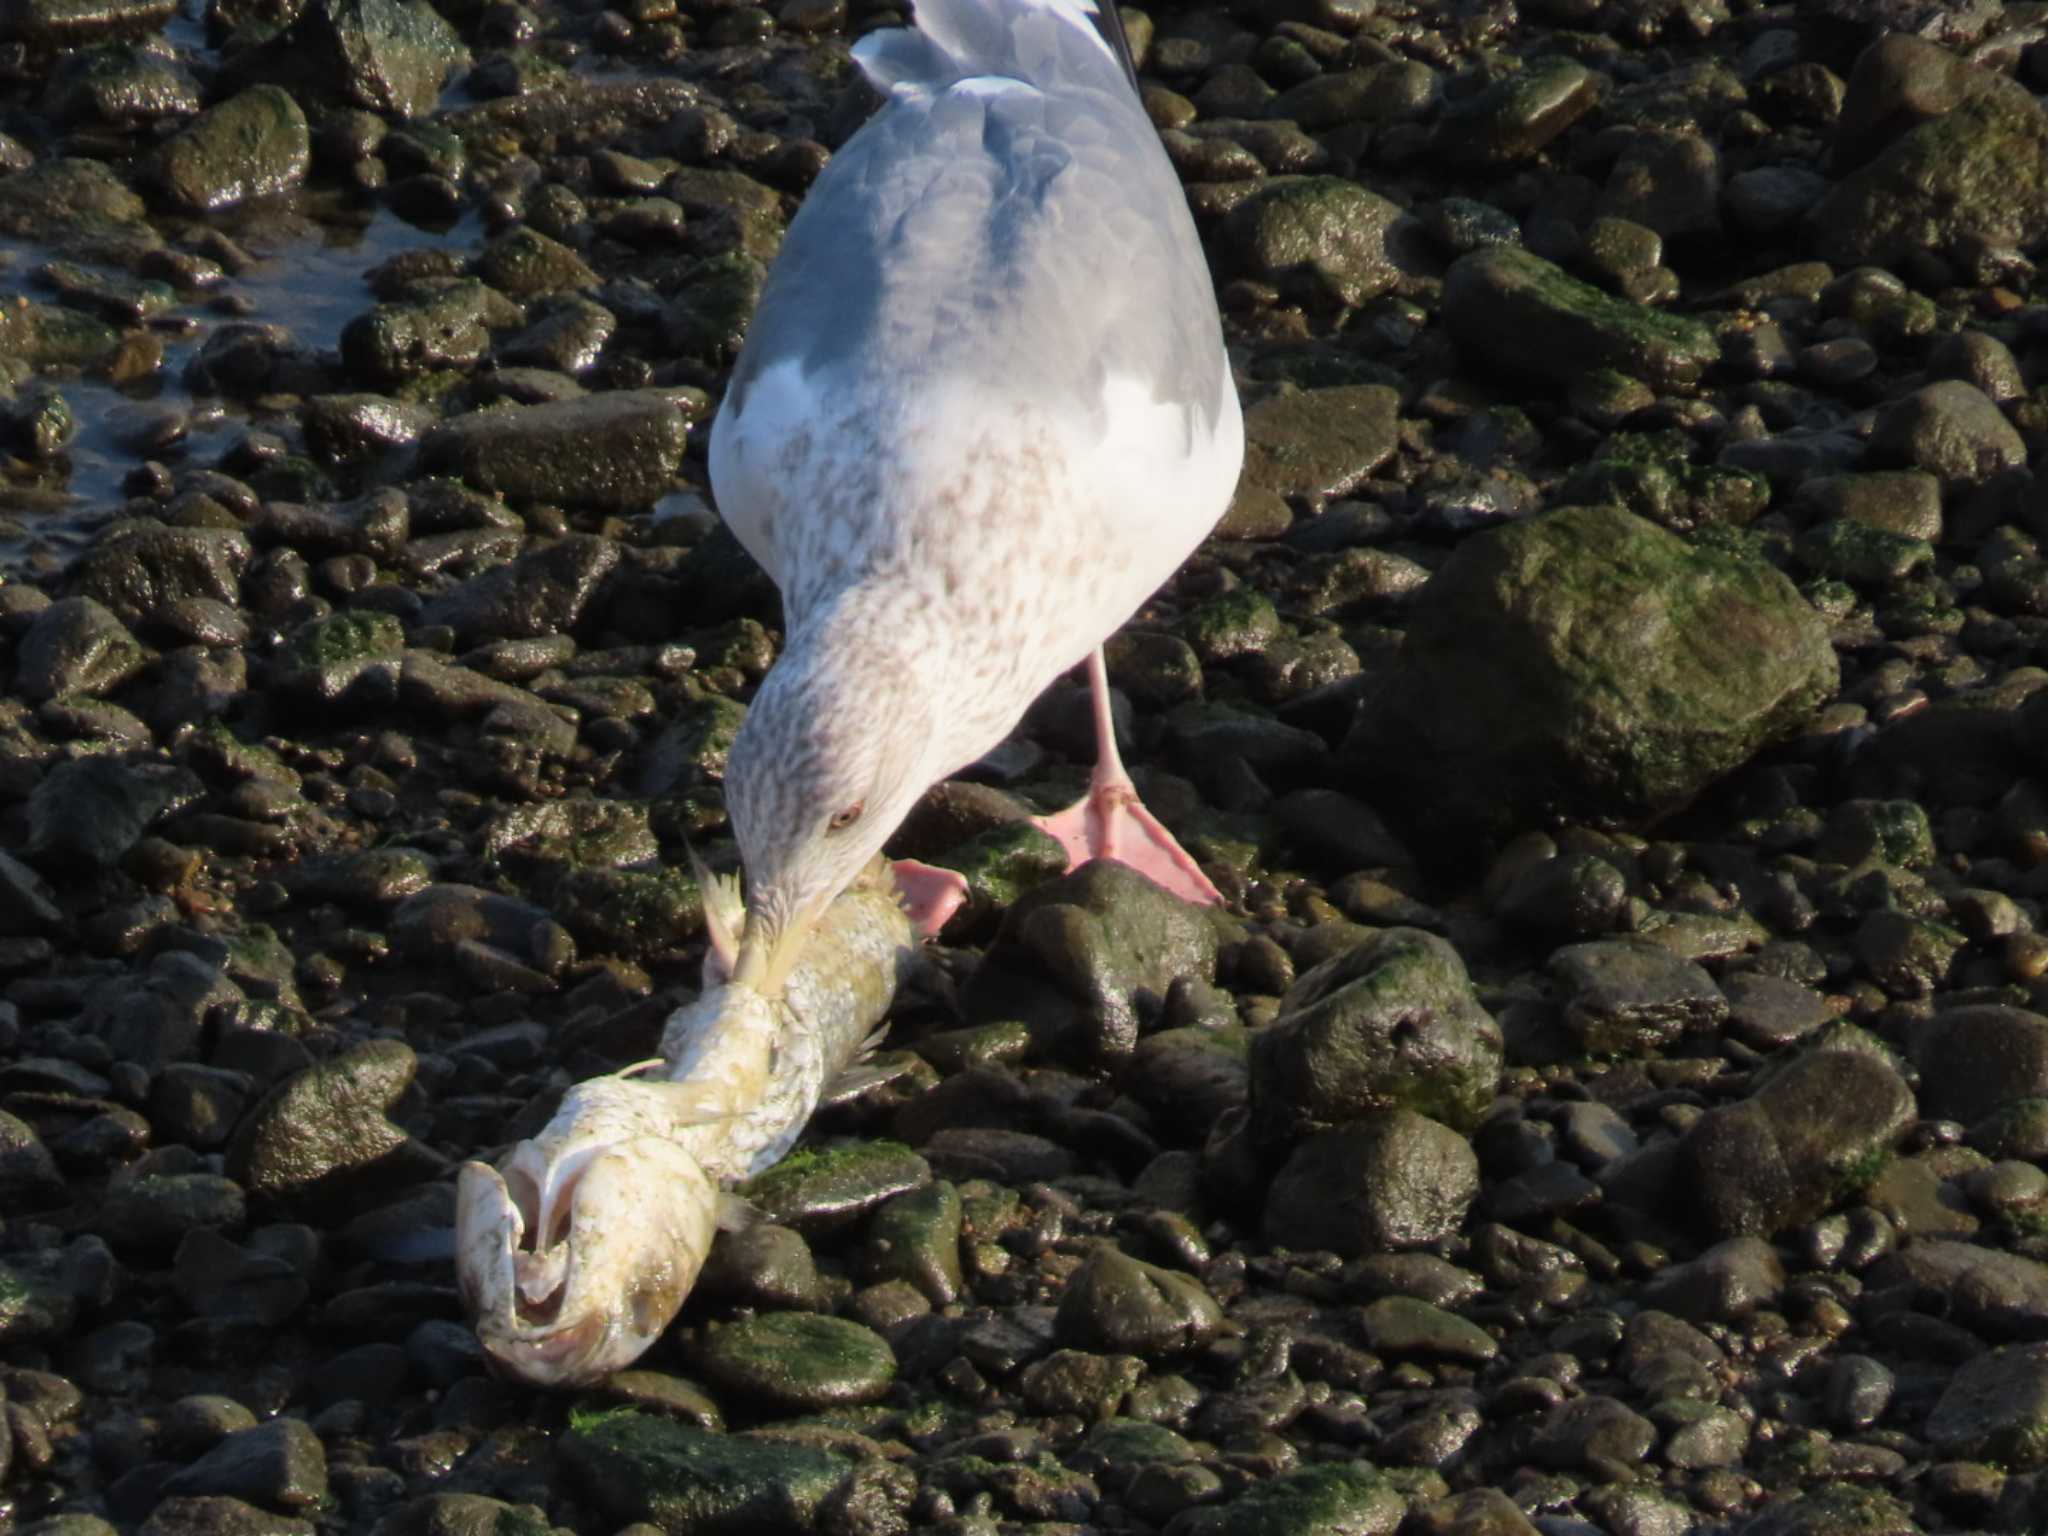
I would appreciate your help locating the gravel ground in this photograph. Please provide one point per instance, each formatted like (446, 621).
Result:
(1615, 1099)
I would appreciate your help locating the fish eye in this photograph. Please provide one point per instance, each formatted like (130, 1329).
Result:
(846, 818)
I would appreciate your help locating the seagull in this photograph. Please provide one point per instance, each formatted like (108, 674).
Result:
(983, 412)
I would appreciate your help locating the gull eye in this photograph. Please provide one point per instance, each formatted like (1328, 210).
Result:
(847, 817)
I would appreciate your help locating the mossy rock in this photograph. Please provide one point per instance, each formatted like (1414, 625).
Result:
(692, 1482)
(798, 1362)
(1585, 665)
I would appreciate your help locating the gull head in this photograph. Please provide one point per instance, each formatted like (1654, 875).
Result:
(834, 751)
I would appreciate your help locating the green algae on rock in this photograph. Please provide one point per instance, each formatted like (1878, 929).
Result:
(1345, 1498)
(1521, 314)
(798, 1362)
(1591, 665)
(691, 1482)
(1975, 175)
(1392, 1023)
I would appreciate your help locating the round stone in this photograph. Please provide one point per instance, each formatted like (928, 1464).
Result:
(799, 1362)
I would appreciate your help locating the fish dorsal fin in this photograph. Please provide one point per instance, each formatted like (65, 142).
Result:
(736, 1212)
(724, 910)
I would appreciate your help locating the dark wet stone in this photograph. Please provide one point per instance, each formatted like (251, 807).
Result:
(1595, 1434)
(1668, 182)
(1313, 444)
(1633, 995)
(1514, 118)
(385, 56)
(916, 1237)
(617, 449)
(323, 1132)
(250, 146)
(75, 646)
(1977, 173)
(87, 813)
(1391, 1180)
(1119, 1305)
(1320, 239)
(764, 1265)
(1835, 1509)
(159, 1014)
(1477, 1512)
(140, 572)
(1907, 956)
(154, 1211)
(120, 87)
(42, 1293)
(569, 337)
(545, 591)
(221, 1279)
(1767, 1011)
(196, 1105)
(462, 1514)
(219, 1515)
(1813, 1133)
(1977, 1058)
(818, 1189)
(1727, 1283)
(1330, 1499)
(1401, 1326)
(1952, 430)
(1079, 957)
(280, 1465)
(1190, 1076)
(687, 1482)
(29, 1180)
(1520, 314)
(393, 343)
(708, 317)
(1596, 665)
(1390, 1024)
(1771, 199)
(1898, 83)
(77, 23)
(352, 426)
(1996, 1409)
(1999, 1295)
(68, 198)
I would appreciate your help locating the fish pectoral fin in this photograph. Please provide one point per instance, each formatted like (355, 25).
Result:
(736, 1213)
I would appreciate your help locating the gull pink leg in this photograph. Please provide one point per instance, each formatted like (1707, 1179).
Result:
(930, 894)
(1110, 822)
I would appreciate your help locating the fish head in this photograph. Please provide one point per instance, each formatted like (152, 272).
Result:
(573, 1264)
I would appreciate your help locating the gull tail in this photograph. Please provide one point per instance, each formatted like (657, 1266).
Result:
(1043, 43)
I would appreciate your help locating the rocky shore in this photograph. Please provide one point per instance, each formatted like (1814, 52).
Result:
(1615, 1099)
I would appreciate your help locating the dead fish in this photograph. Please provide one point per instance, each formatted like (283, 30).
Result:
(577, 1250)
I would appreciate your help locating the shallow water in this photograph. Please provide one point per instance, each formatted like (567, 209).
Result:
(308, 278)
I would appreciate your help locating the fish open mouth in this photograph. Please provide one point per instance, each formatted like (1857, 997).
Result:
(571, 1265)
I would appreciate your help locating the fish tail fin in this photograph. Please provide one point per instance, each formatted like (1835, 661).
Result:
(1041, 42)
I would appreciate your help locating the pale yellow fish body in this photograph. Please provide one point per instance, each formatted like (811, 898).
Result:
(577, 1250)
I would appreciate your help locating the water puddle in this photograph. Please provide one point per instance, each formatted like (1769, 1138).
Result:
(308, 277)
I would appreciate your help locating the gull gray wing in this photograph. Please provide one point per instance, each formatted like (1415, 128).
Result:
(994, 229)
